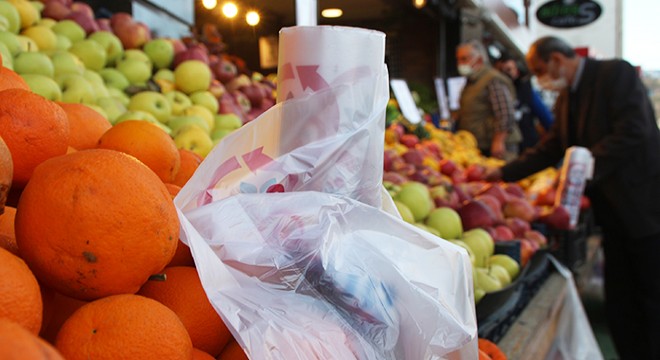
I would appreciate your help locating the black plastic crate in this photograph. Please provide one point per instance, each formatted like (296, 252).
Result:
(569, 246)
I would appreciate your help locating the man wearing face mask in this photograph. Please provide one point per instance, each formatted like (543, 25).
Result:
(487, 104)
(604, 107)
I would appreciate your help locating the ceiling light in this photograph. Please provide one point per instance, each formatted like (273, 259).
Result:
(419, 3)
(252, 18)
(210, 4)
(229, 9)
(331, 13)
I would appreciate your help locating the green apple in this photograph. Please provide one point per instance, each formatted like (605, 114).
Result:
(111, 43)
(160, 51)
(97, 83)
(446, 221)
(136, 71)
(193, 138)
(191, 76)
(10, 12)
(28, 13)
(27, 44)
(11, 41)
(65, 62)
(178, 101)
(507, 262)
(228, 121)
(484, 280)
(120, 95)
(152, 102)
(461, 243)
(500, 273)
(218, 134)
(38, 5)
(75, 89)
(205, 99)
(112, 106)
(486, 238)
(144, 116)
(479, 294)
(114, 78)
(34, 63)
(403, 209)
(70, 29)
(202, 112)
(47, 22)
(7, 59)
(481, 247)
(164, 74)
(43, 36)
(136, 54)
(44, 86)
(91, 53)
(63, 42)
(417, 197)
(178, 122)
(4, 23)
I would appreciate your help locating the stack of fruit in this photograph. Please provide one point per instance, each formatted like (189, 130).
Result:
(114, 67)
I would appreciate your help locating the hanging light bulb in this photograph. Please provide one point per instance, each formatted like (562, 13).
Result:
(252, 18)
(229, 9)
(210, 4)
(419, 3)
(331, 13)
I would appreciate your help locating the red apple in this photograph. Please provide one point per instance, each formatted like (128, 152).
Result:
(82, 7)
(433, 148)
(496, 191)
(55, 9)
(514, 189)
(177, 45)
(458, 176)
(462, 195)
(518, 226)
(87, 22)
(224, 70)
(120, 18)
(475, 172)
(194, 53)
(394, 178)
(585, 203)
(216, 88)
(503, 233)
(526, 251)
(241, 100)
(445, 196)
(447, 167)
(475, 214)
(536, 237)
(409, 140)
(546, 197)
(493, 204)
(413, 156)
(254, 94)
(520, 208)
(104, 25)
(557, 217)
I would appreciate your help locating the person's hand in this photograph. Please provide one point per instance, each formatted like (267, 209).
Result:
(497, 149)
(493, 174)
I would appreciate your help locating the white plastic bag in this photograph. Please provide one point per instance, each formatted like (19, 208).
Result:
(309, 275)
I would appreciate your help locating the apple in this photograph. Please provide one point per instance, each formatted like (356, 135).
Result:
(526, 251)
(177, 45)
(11, 41)
(503, 233)
(514, 189)
(178, 122)
(143, 116)
(112, 45)
(137, 72)
(495, 190)
(47, 22)
(520, 208)
(484, 237)
(202, 112)
(218, 134)
(27, 44)
(480, 248)
(446, 221)
(227, 121)
(427, 229)
(485, 280)
(546, 197)
(198, 53)
(409, 140)
(390, 176)
(87, 22)
(191, 76)
(178, 101)
(7, 59)
(43, 36)
(34, 63)
(507, 262)
(44, 86)
(83, 8)
(164, 74)
(447, 167)
(114, 78)
(112, 106)
(104, 25)
(55, 9)
(465, 246)
(119, 95)
(475, 213)
(97, 83)
(479, 294)
(224, 70)
(28, 13)
(518, 226)
(75, 89)
(501, 273)
(193, 138)
(160, 51)
(132, 34)
(91, 53)
(556, 217)
(493, 204)
(152, 102)
(205, 99)
(417, 197)
(63, 42)
(536, 237)
(70, 29)
(9, 12)
(405, 212)
(120, 18)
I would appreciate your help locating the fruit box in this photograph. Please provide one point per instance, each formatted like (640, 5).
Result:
(569, 246)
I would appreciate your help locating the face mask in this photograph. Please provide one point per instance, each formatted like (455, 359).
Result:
(465, 69)
(548, 83)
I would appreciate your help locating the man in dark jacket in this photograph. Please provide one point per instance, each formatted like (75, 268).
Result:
(604, 107)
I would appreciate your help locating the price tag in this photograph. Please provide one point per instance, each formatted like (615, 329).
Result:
(440, 93)
(405, 100)
(454, 87)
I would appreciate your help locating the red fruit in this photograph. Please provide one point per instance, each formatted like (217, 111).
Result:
(458, 177)
(493, 204)
(503, 233)
(585, 203)
(409, 140)
(394, 178)
(514, 189)
(254, 94)
(518, 226)
(120, 18)
(87, 22)
(413, 156)
(536, 237)
(546, 197)
(520, 208)
(496, 191)
(104, 25)
(526, 251)
(224, 70)
(55, 10)
(557, 218)
(447, 167)
(476, 213)
(475, 172)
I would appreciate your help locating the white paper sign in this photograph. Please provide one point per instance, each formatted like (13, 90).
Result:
(405, 100)
(441, 95)
(454, 87)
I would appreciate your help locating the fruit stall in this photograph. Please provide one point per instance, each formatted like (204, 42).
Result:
(103, 123)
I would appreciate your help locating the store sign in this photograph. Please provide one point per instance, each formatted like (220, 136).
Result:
(568, 13)
(405, 100)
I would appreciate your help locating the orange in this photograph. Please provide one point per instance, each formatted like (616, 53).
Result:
(233, 351)
(16, 343)
(173, 189)
(6, 173)
(182, 292)
(34, 128)
(86, 125)
(11, 80)
(148, 143)
(115, 224)
(201, 355)
(124, 327)
(7, 233)
(189, 163)
(60, 307)
(182, 256)
(20, 296)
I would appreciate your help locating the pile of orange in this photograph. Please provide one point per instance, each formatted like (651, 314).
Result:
(88, 229)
